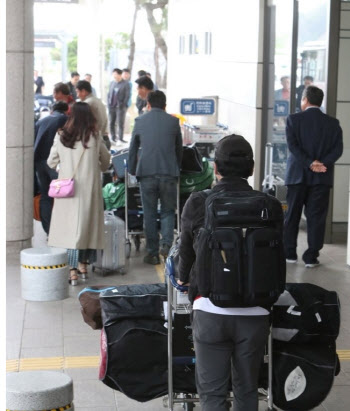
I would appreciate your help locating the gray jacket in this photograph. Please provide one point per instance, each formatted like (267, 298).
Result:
(158, 134)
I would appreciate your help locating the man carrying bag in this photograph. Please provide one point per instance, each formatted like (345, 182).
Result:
(231, 253)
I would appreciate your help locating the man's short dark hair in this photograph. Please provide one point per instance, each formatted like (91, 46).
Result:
(308, 78)
(141, 73)
(116, 70)
(157, 99)
(234, 157)
(145, 81)
(314, 95)
(61, 88)
(61, 106)
(126, 70)
(74, 73)
(84, 85)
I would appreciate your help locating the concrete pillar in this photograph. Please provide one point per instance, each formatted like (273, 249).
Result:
(19, 124)
(89, 51)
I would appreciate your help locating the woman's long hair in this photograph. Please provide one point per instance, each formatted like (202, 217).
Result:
(79, 126)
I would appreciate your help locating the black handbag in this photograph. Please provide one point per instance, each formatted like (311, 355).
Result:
(191, 160)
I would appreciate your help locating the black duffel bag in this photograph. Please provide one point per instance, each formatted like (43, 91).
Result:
(306, 313)
(191, 160)
(133, 301)
(134, 360)
(303, 374)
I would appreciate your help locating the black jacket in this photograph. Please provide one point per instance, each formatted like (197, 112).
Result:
(192, 219)
(312, 135)
(45, 131)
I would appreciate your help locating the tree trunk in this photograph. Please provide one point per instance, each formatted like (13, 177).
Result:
(156, 30)
(132, 38)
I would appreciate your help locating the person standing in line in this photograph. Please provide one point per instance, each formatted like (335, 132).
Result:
(38, 83)
(144, 87)
(88, 78)
(307, 81)
(126, 77)
(229, 342)
(75, 77)
(84, 93)
(77, 222)
(140, 103)
(61, 93)
(157, 167)
(284, 92)
(118, 97)
(315, 142)
(45, 131)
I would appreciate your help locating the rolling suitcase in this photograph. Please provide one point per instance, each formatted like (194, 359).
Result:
(112, 257)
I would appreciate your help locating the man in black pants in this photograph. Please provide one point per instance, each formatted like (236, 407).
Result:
(315, 142)
(225, 339)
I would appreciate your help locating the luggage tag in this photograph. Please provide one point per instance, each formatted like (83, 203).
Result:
(291, 310)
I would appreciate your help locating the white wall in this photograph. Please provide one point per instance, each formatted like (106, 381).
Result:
(341, 183)
(233, 71)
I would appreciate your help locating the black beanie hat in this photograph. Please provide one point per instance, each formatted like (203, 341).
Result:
(234, 156)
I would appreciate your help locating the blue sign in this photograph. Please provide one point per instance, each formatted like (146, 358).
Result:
(197, 106)
(281, 108)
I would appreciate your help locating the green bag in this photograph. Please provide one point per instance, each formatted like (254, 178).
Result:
(114, 195)
(192, 182)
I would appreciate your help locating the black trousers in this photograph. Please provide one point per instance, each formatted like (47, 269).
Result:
(315, 199)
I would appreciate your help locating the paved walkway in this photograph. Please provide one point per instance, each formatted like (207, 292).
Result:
(52, 335)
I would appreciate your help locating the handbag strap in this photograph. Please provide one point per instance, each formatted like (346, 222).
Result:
(76, 168)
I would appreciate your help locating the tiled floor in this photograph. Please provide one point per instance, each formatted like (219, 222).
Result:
(54, 332)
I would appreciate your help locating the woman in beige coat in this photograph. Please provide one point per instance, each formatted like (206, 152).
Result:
(77, 222)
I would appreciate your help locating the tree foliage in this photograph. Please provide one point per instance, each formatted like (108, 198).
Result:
(73, 54)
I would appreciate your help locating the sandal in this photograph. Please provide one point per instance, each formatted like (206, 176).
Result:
(82, 271)
(73, 276)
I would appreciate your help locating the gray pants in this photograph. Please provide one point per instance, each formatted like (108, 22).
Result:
(117, 115)
(223, 343)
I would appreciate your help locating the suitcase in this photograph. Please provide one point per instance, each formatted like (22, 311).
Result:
(112, 257)
(119, 162)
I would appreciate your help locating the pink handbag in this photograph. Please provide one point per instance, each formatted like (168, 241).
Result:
(62, 188)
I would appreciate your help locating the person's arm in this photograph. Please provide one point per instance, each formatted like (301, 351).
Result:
(178, 146)
(133, 150)
(105, 155)
(187, 255)
(294, 147)
(54, 157)
(337, 148)
(126, 94)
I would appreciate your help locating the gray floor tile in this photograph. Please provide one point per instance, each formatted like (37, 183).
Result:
(81, 346)
(99, 408)
(37, 338)
(44, 352)
(92, 394)
(83, 373)
(338, 399)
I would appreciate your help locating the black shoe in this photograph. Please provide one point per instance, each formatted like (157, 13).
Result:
(312, 263)
(151, 259)
(164, 251)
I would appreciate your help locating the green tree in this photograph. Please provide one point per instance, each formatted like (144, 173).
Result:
(73, 54)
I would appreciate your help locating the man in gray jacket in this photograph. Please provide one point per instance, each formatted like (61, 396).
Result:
(157, 167)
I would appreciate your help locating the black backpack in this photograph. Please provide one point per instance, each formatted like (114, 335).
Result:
(239, 252)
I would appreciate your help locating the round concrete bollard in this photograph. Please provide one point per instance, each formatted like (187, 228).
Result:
(44, 274)
(38, 391)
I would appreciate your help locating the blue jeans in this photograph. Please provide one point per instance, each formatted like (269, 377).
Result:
(45, 175)
(152, 189)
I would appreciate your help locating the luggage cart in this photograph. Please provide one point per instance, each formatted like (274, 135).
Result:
(178, 303)
(204, 137)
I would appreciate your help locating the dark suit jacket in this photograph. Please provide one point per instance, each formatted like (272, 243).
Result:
(122, 88)
(45, 131)
(312, 135)
(158, 134)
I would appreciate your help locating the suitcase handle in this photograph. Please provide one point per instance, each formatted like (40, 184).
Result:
(169, 271)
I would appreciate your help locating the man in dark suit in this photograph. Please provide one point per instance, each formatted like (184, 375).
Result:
(157, 167)
(45, 131)
(315, 142)
(118, 98)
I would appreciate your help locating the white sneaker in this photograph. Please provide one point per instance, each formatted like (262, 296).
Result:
(312, 265)
(291, 260)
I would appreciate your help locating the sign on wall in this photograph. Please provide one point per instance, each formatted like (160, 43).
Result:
(281, 108)
(197, 106)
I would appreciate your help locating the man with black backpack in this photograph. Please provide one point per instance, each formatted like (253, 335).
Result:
(231, 253)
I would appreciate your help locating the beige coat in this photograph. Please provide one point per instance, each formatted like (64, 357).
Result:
(100, 113)
(77, 222)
